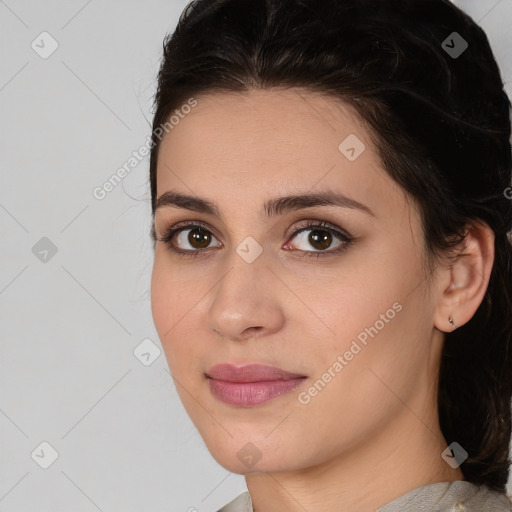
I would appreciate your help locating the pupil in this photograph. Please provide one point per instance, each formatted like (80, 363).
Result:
(322, 242)
(200, 237)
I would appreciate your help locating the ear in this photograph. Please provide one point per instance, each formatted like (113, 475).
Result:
(463, 283)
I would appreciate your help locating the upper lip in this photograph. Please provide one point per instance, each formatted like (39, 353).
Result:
(249, 373)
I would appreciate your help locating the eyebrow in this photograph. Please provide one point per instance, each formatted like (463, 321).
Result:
(272, 207)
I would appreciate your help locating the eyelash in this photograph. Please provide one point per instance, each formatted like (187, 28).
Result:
(169, 234)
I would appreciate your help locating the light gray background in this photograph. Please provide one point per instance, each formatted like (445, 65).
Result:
(69, 325)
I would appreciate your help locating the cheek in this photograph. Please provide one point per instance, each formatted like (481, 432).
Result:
(162, 299)
(382, 345)
(344, 301)
(171, 293)
(367, 312)
(172, 302)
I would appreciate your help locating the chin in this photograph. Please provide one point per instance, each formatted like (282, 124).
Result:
(242, 456)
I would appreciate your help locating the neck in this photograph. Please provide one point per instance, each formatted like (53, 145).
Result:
(364, 478)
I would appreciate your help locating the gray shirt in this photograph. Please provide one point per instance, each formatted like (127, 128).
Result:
(457, 496)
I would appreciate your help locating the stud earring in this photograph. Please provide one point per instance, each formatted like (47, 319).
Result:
(450, 319)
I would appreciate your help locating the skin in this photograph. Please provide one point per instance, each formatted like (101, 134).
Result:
(374, 426)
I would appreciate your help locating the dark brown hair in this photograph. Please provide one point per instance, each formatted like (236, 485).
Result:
(441, 124)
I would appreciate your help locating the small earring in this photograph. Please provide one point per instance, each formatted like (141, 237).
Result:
(450, 319)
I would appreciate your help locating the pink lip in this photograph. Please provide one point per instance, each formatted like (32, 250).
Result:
(249, 373)
(252, 384)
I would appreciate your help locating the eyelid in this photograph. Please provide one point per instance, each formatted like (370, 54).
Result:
(293, 230)
(315, 223)
(184, 225)
(340, 234)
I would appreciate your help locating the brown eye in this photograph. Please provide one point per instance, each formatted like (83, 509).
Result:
(195, 239)
(319, 238)
(199, 238)
(192, 238)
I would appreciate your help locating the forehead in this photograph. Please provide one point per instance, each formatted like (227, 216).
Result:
(268, 140)
(275, 118)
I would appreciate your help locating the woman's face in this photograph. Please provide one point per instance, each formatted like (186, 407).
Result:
(255, 286)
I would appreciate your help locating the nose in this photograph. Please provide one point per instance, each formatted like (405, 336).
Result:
(247, 302)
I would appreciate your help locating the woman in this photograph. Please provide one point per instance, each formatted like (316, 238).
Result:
(333, 269)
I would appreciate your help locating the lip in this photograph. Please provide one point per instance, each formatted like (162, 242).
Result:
(249, 373)
(250, 385)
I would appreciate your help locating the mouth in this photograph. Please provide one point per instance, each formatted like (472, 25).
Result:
(250, 373)
(252, 384)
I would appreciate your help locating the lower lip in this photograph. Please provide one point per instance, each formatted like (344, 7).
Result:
(249, 394)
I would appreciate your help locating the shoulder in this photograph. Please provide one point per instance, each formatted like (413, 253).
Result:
(488, 500)
(241, 503)
(458, 495)
(469, 497)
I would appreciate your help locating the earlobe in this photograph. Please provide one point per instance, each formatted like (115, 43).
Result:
(468, 275)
